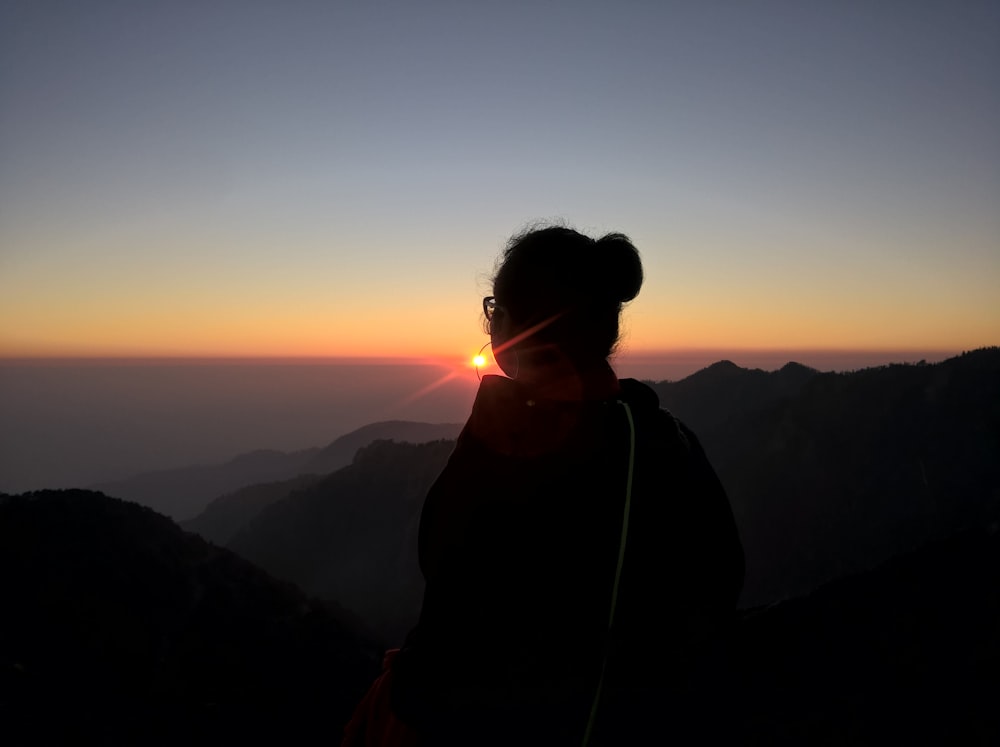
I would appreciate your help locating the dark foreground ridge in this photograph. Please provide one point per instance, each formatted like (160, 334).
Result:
(908, 653)
(120, 628)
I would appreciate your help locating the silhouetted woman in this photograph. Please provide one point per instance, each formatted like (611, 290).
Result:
(578, 548)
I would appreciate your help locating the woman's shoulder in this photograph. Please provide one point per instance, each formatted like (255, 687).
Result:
(651, 419)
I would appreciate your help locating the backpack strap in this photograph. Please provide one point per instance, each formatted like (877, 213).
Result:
(618, 571)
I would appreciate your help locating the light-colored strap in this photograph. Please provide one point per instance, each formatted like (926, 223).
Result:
(618, 571)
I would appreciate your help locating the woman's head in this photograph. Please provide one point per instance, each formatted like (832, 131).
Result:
(560, 295)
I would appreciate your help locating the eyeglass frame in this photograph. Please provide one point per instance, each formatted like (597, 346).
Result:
(491, 307)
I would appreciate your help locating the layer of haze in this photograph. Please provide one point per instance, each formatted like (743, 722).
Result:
(73, 423)
(335, 179)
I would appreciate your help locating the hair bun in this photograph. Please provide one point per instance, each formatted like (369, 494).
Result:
(619, 261)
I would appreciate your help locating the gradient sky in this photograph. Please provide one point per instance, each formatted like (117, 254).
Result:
(336, 178)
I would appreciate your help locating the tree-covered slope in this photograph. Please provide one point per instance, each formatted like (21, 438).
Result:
(224, 517)
(832, 473)
(120, 628)
(908, 653)
(353, 536)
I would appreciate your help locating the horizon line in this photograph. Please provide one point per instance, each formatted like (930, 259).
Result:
(648, 356)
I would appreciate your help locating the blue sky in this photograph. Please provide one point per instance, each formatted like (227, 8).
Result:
(311, 178)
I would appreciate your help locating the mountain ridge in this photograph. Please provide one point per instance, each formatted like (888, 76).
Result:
(877, 462)
(355, 533)
(185, 492)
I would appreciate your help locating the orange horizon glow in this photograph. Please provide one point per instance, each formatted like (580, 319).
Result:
(470, 360)
(655, 365)
(79, 321)
(647, 330)
(635, 339)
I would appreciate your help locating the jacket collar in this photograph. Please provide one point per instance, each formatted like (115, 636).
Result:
(567, 385)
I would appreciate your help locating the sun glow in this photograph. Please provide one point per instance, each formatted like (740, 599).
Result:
(479, 360)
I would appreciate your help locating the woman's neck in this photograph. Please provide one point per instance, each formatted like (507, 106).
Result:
(561, 380)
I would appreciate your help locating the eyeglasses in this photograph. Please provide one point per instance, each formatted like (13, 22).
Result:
(491, 308)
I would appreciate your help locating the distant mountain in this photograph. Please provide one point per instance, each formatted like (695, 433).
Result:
(120, 628)
(341, 452)
(185, 492)
(227, 515)
(832, 473)
(353, 536)
(724, 392)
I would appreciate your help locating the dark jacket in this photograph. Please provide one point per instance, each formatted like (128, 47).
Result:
(519, 543)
